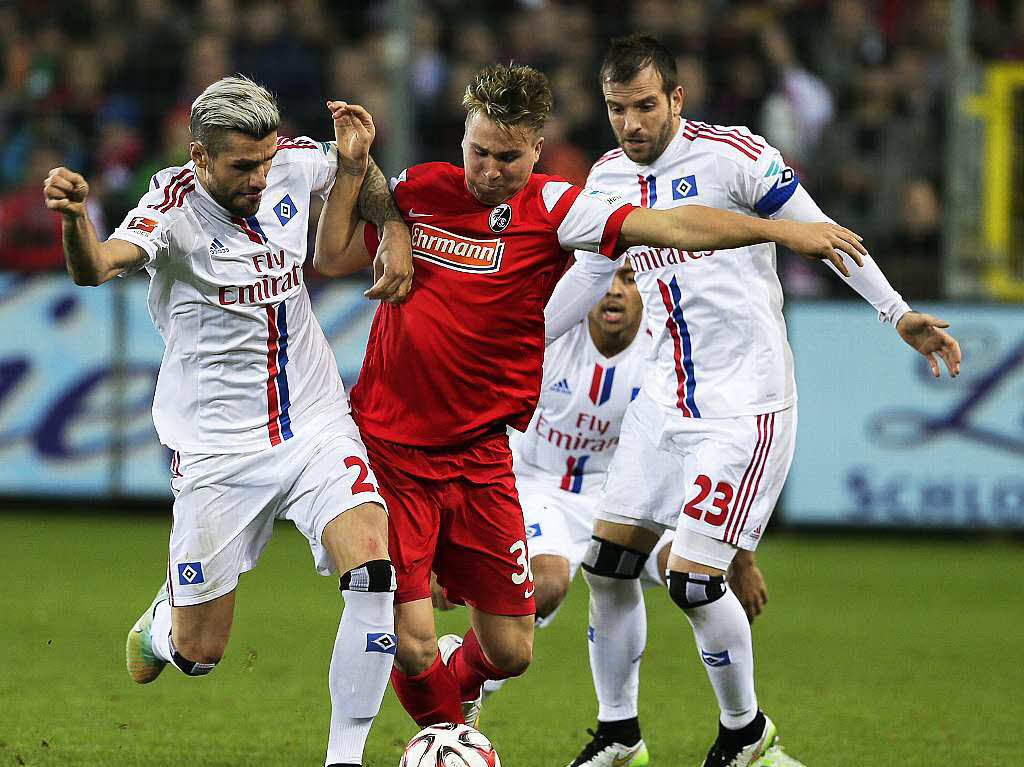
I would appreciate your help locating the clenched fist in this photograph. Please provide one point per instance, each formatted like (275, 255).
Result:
(65, 191)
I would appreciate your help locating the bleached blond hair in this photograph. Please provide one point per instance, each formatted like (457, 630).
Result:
(232, 104)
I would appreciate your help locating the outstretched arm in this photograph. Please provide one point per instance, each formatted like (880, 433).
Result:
(88, 261)
(922, 332)
(694, 227)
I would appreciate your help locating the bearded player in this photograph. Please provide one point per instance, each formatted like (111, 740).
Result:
(449, 371)
(706, 445)
(248, 396)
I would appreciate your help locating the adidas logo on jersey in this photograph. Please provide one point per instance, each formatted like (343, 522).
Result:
(773, 169)
(217, 248)
(562, 387)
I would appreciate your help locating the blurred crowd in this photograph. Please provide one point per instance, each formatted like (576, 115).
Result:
(851, 91)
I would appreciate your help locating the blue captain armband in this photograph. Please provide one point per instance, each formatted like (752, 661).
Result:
(787, 183)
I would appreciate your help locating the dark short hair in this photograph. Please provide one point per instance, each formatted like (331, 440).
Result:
(511, 95)
(626, 56)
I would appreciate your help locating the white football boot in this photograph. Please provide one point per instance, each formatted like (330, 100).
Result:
(604, 752)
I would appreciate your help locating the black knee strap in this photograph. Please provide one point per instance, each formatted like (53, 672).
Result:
(377, 575)
(613, 560)
(190, 667)
(695, 589)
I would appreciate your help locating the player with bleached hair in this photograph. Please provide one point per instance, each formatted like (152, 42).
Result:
(450, 370)
(248, 396)
(706, 445)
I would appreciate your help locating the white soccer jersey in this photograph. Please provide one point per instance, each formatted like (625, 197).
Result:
(245, 362)
(720, 347)
(575, 428)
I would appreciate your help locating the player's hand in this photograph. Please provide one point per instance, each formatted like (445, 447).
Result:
(392, 266)
(437, 597)
(747, 582)
(354, 132)
(924, 333)
(65, 191)
(823, 240)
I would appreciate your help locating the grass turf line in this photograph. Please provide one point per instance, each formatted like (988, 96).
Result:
(899, 652)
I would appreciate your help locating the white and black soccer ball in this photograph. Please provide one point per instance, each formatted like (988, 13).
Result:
(449, 745)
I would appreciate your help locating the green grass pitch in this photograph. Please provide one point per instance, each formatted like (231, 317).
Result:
(881, 651)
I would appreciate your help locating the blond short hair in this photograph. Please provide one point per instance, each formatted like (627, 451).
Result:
(512, 95)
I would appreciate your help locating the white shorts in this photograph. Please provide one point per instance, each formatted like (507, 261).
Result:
(716, 480)
(560, 523)
(225, 505)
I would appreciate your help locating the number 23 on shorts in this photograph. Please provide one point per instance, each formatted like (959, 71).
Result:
(723, 493)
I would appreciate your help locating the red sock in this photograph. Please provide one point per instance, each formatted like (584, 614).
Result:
(431, 697)
(471, 668)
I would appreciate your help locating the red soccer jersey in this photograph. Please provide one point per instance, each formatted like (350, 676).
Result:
(462, 356)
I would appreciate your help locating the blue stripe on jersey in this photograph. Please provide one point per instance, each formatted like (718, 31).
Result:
(255, 226)
(652, 180)
(606, 388)
(684, 335)
(577, 474)
(282, 375)
(779, 194)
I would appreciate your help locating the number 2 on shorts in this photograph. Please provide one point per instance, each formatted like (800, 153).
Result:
(723, 494)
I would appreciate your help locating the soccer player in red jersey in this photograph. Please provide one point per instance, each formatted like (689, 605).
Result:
(450, 369)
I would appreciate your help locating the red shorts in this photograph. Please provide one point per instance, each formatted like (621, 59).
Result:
(456, 511)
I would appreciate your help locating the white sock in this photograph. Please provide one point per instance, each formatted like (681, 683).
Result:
(359, 672)
(491, 686)
(722, 633)
(618, 635)
(161, 631)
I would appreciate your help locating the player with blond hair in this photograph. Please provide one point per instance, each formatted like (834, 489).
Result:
(448, 372)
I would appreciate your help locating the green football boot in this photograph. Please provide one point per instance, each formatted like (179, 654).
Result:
(143, 665)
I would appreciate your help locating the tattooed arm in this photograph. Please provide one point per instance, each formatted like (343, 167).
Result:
(376, 204)
(354, 132)
(392, 266)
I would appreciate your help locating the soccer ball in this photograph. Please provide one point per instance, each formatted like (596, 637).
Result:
(449, 745)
